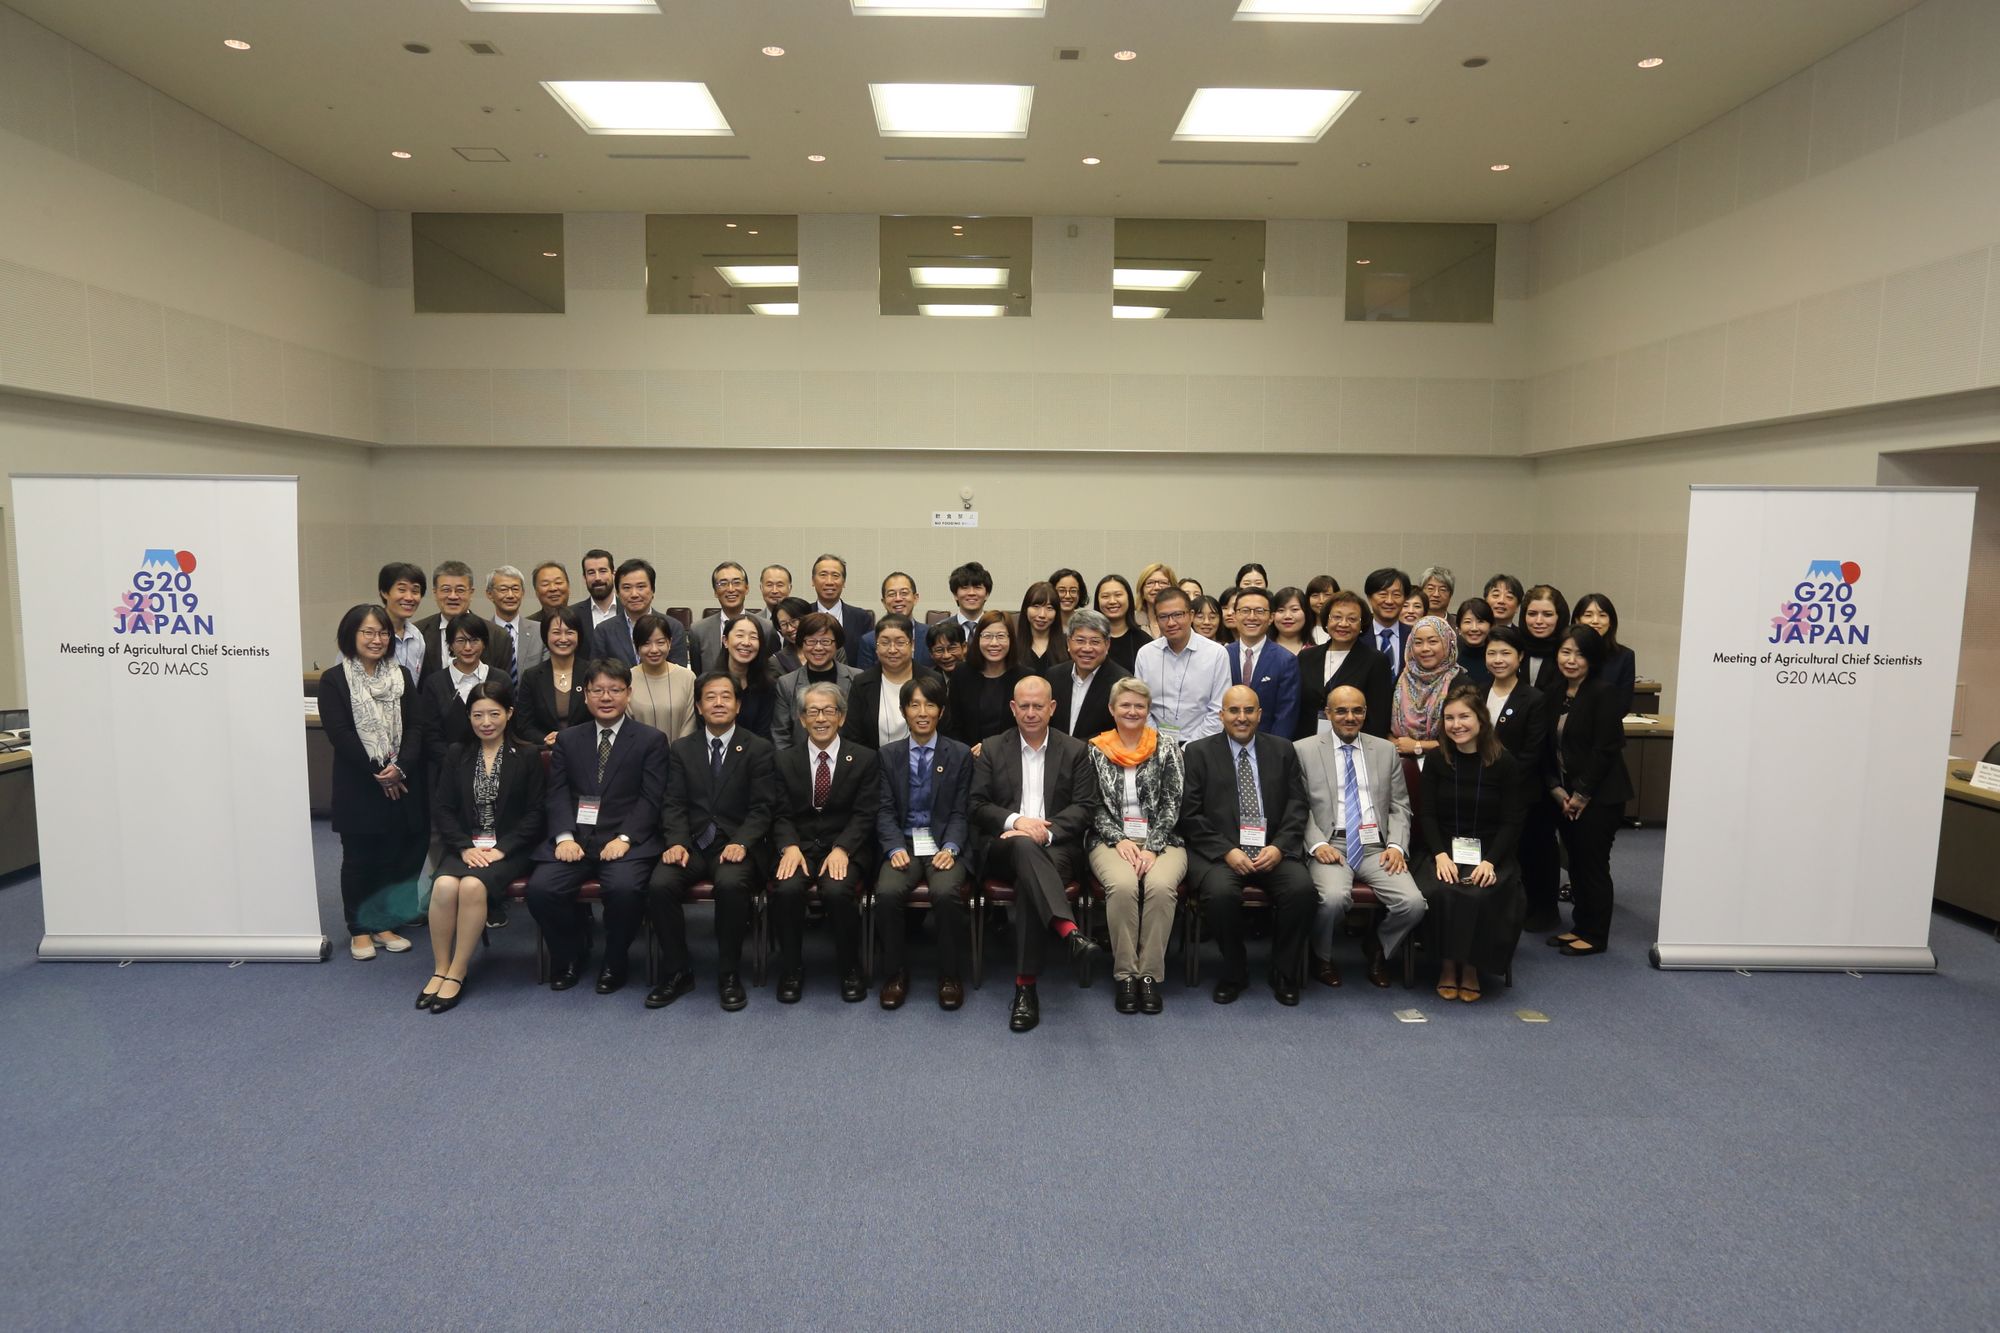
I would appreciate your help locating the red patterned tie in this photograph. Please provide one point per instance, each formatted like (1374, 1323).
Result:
(822, 780)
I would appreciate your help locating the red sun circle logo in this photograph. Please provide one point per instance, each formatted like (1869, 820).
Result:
(1849, 571)
(185, 559)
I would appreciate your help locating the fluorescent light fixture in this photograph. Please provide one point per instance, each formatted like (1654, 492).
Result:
(1335, 11)
(952, 110)
(951, 9)
(640, 108)
(945, 275)
(1262, 115)
(1138, 312)
(963, 311)
(1154, 279)
(562, 6)
(759, 275)
(774, 307)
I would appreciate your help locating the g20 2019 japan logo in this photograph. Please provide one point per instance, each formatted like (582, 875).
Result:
(1821, 607)
(162, 598)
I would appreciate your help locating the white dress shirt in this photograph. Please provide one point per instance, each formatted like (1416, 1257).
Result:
(600, 614)
(463, 683)
(889, 722)
(1076, 693)
(1187, 686)
(1034, 772)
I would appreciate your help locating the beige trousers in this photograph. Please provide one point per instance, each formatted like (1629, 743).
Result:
(1139, 946)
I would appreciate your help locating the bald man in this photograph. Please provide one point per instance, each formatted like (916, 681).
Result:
(1243, 815)
(1032, 794)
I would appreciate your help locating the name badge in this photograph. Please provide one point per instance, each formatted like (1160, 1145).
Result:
(922, 843)
(1371, 834)
(1465, 851)
(1250, 837)
(1136, 828)
(485, 842)
(586, 810)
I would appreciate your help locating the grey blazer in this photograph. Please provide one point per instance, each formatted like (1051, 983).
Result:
(705, 642)
(786, 730)
(530, 651)
(1319, 756)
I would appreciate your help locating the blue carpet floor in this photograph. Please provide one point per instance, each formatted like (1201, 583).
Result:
(194, 1146)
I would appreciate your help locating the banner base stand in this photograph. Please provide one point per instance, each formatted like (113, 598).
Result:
(1791, 958)
(184, 949)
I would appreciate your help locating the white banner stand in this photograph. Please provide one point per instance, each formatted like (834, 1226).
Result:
(160, 628)
(1819, 654)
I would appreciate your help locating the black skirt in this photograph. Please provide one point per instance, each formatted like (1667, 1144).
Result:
(495, 877)
(1475, 925)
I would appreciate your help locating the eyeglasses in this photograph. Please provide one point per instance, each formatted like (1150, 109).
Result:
(994, 638)
(373, 632)
(607, 691)
(821, 710)
(732, 583)
(1164, 616)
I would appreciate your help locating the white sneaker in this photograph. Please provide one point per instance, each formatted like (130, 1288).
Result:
(361, 952)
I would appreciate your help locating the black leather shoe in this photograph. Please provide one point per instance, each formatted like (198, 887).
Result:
(1082, 947)
(496, 914)
(566, 978)
(1227, 991)
(730, 991)
(444, 1004)
(1127, 1001)
(675, 986)
(1150, 1001)
(1285, 989)
(1027, 1010)
(610, 980)
(790, 987)
(852, 988)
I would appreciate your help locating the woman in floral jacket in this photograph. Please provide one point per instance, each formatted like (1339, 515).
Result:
(1135, 844)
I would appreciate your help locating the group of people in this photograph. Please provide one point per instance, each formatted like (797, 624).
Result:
(1156, 743)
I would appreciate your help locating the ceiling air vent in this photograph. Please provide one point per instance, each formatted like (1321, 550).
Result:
(1069, 53)
(481, 154)
(482, 48)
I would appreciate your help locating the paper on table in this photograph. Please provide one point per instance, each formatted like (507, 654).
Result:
(1641, 719)
(312, 708)
(1986, 776)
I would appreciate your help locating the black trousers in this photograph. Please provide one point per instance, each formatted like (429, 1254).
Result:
(1038, 875)
(1294, 901)
(892, 890)
(1541, 867)
(374, 859)
(1587, 840)
(666, 897)
(552, 891)
(840, 897)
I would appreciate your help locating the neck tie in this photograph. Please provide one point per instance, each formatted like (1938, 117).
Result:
(603, 754)
(715, 758)
(1249, 666)
(1350, 806)
(822, 780)
(1247, 806)
(1389, 647)
(514, 641)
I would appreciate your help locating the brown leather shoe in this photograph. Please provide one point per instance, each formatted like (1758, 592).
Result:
(893, 991)
(1323, 971)
(1378, 971)
(950, 994)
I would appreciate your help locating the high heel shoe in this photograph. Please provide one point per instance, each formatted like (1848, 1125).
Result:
(444, 1002)
(427, 996)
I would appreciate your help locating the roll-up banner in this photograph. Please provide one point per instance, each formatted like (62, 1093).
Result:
(160, 629)
(1812, 719)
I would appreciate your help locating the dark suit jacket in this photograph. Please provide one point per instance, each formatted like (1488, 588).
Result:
(1277, 684)
(951, 795)
(1069, 787)
(740, 804)
(1365, 669)
(846, 821)
(499, 652)
(635, 782)
(1591, 749)
(614, 639)
(535, 703)
(444, 717)
(864, 658)
(1093, 715)
(1523, 728)
(864, 702)
(1209, 808)
(358, 803)
(1621, 677)
(520, 815)
(1542, 673)
(1371, 634)
(854, 622)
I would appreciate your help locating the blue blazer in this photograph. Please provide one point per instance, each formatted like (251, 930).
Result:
(951, 795)
(1372, 632)
(864, 657)
(614, 639)
(1277, 684)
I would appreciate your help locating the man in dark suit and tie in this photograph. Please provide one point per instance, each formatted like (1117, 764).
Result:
(606, 781)
(1032, 794)
(507, 590)
(828, 791)
(1082, 687)
(1387, 590)
(1265, 667)
(721, 792)
(1243, 814)
(636, 580)
(1346, 658)
(923, 830)
(829, 580)
(451, 586)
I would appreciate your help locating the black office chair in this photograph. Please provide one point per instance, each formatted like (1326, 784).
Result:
(1992, 754)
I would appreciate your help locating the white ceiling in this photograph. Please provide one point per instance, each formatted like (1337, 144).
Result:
(328, 86)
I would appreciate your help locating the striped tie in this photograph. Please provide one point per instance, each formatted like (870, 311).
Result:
(603, 754)
(1350, 806)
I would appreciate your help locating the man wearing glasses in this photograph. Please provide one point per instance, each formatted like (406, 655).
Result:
(607, 779)
(828, 791)
(732, 588)
(1186, 673)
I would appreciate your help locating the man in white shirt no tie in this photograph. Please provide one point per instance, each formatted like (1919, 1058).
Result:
(1186, 673)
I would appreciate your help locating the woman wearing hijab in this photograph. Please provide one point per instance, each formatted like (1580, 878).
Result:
(1417, 708)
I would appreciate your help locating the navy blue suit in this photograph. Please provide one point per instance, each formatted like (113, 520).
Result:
(1277, 684)
(864, 656)
(1372, 632)
(951, 811)
(614, 639)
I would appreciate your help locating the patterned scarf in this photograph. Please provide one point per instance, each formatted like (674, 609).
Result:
(377, 702)
(1420, 694)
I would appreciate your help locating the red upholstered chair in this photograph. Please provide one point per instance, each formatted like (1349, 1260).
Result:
(992, 893)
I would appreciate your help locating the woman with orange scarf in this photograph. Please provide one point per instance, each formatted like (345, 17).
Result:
(1135, 844)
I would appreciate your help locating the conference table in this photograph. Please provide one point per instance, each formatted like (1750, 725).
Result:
(20, 845)
(1965, 877)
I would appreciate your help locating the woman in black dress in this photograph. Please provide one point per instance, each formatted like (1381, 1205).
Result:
(746, 655)
(1621, 668)
(551, 695)
(489, 815)
(1041, 648)
(982, 689)
(1114, 603)
(368, 710)
(1475, 797)
(1474, 622)
(1588, 784)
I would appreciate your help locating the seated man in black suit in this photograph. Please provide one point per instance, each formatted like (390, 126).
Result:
(828, 793)
(721, 788)
(1032, 795)
(1082, 688)
(1243, 814)
(922, 831)
(606, 780)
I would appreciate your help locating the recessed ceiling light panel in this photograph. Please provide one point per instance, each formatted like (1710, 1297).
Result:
(952, 9)
(962, 311)
(1335, 11)
(952, 110)
(1651, 62)
(948, 275)
(562, 6)
(683, 109)
(1261, 115)
(1138, 312)
(1154, 279)
(759, 275)
(774, 307)
(236, 43)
